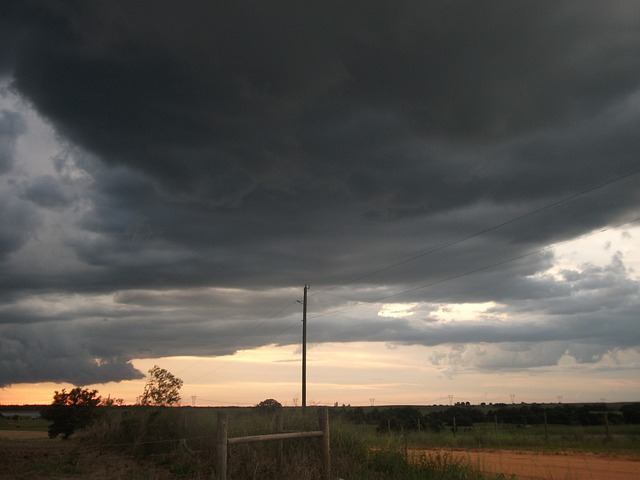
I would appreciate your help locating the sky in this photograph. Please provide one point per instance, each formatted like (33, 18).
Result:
(458, 183)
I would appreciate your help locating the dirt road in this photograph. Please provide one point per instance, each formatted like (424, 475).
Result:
(545, 466)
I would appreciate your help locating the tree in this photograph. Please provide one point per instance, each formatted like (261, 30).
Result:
(631, 413)
(162, 388)
(71, 411)
(269, 405)
(112, 402)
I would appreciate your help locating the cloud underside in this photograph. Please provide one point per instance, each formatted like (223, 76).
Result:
(212, 159)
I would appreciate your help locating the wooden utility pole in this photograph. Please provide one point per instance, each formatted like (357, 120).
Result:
(304, 349)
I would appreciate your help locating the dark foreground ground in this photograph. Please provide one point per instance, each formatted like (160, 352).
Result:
(32, 455)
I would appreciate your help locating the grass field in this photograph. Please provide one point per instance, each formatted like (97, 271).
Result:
(624, 439)
(36, 424)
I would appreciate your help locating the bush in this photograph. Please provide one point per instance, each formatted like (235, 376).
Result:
(269, 405)
(71, 411)
(631, 413)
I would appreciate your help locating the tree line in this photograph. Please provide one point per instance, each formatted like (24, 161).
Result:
(397, 419)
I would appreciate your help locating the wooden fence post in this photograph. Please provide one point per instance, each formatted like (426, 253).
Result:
(606, 425)
(546, 428)
(223, 441)
(279, 443)
(326, 443)
(221, 447)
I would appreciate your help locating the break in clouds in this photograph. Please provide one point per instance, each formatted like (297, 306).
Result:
(171, 178)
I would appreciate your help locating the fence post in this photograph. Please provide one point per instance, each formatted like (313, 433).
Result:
(546, 428)
(606, 425)
(326, 443)
(221, 447)
(279, 443)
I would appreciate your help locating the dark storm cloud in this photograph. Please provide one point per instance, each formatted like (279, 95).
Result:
(94, 341)
(46, 353)
(46, 191)
(11, 127)
(253, 146)
(228, 103)
(18, 222)
(593, 316)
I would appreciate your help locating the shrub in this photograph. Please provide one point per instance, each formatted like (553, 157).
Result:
(71, 411)
(269, 405)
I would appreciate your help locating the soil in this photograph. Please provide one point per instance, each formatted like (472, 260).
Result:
(547, 466)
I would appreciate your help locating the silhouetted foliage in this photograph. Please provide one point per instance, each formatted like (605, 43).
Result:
(269, 405)
(162, 388)
(71, 411)
(400, 419)
(465, 416)
(588, 414)
(112, 402)
(631, 413)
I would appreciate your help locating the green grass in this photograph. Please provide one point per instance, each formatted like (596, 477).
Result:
(33, 425)
(622, 438)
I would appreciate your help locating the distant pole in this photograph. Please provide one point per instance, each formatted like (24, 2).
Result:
(304, 349)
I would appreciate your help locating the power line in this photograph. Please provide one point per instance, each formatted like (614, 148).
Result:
(252, 329)
(431, 284)
(471, 272)
(482, 232)
(430, 252)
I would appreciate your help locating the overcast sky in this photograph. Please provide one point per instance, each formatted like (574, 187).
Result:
(172, 176)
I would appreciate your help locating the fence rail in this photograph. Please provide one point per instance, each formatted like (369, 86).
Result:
(223, 442)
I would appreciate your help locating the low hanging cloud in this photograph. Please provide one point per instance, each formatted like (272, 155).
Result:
(211, 159)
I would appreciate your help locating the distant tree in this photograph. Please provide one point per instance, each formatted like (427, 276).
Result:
(71, 411)
(269, 405)
(112, 402)
(162, 388)
(631, 413)
(400, 419)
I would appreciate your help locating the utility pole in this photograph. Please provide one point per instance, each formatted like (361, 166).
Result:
(304, 349)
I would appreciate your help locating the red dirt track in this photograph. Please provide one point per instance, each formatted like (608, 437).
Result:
(547, 466)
